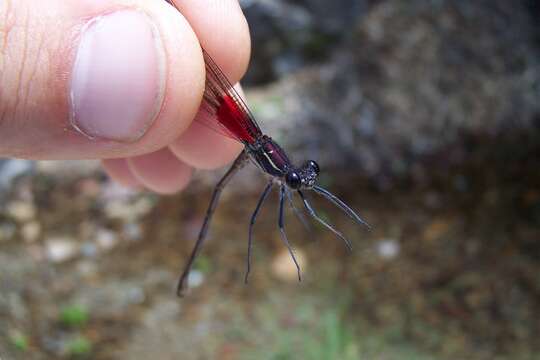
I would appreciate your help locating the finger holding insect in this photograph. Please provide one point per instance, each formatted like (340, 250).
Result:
(95, 79)
(205, 147)
(160, 171)
(222, 30)
(198, 146)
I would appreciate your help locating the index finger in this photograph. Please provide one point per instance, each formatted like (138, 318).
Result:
(222, 30)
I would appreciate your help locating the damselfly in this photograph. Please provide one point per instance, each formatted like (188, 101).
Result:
(224, 110)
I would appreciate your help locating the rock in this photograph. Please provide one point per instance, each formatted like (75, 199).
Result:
(195, 278)
(412, 92)
(132, 231)
(10, 169)
(89, 249)
(128, 210)
(437, 229)
(387, 248)
(21, 211)
(67, 169)
(114, 191)
(31, 231)
(283, 266)
(87, 269)
(106, 239)
(60, 249)
(290, 34)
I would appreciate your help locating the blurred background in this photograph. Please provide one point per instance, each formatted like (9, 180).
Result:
(424, 116)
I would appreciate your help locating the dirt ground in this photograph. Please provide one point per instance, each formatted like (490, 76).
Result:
(450, 270)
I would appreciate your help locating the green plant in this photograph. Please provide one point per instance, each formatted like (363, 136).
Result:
(19, 341)
(332, 340)
(203, 264)
(74, 316)
(79, 346)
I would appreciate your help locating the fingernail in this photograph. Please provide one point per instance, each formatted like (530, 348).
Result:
(118, 77)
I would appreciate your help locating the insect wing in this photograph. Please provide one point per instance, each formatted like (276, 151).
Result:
(226, 106)
(222, 108)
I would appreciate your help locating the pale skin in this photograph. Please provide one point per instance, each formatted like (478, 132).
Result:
(50, 111)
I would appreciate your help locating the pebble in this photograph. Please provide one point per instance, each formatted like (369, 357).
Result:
(132, 231)
(136, 295)
(195, 278)
(60, 249)
(87, 268)
(112, 190)
(21, 211)
(128, 211)
(13, 168)
(31, 231)
(106, 239)
(436, 229)
(118, 209)
(388, 248)
(89, 249)
(67, 168)
(283, 266)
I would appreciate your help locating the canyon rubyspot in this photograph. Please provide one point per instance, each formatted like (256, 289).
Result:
(226, 112)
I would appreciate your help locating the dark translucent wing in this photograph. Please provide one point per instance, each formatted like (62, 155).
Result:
(222, 108)
(224, 103)
(205, 117)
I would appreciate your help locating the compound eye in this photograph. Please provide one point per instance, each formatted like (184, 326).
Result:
(293, 180)
(313, 166)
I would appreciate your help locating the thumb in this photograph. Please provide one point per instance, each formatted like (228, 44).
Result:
(95, 79)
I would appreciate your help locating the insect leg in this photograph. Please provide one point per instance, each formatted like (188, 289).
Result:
(336, 201)
(297, 212)
(282, 230)
(251, 224)
(314, 215)
(237, 165)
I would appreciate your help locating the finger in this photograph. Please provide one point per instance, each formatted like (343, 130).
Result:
(160, 171)
(204, 148)
(119, 171)
(222, 30)
(95, 79)
(193, 145)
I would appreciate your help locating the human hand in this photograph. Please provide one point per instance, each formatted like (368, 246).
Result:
(117, 80)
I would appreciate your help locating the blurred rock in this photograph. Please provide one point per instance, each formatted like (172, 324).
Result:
(290, 34)
(129, 210)
(112, 190)
(21, 211)
(435, 230)
(195, 278)
(283, 266)
(68, 169)
(31, 231)
(413, 90)
(10, 169)
(87, 269)
(60, 249)
(388, 248)
(132, 231)
(89, 249)
(106, 239)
